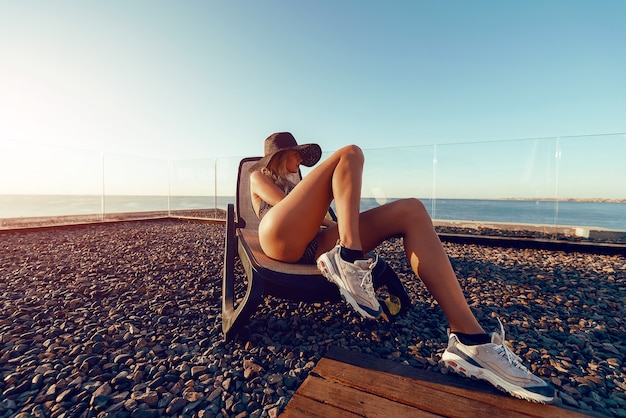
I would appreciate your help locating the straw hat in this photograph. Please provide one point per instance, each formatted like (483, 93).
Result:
(284, 141)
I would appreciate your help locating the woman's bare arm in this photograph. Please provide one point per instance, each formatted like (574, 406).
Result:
(263, 188)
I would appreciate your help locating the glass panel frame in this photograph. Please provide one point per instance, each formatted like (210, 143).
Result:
(556, 181)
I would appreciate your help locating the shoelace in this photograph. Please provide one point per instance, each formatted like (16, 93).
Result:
(367, 283)
(505, 351)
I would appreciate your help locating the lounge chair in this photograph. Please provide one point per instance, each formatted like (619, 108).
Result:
(266, 276)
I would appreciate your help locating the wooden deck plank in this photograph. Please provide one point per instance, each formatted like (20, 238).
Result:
(431, 397)
(364, 385)
(336, 398)
(476, 390)
(304, 406)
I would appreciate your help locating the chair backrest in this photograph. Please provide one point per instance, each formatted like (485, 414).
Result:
(246, 218)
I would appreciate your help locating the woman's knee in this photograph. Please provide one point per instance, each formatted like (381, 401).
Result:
(352, 152)
(413, 210)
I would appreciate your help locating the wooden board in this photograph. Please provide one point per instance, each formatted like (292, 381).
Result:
(347, 384)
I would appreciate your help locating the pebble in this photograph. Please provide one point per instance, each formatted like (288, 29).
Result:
(124, 319)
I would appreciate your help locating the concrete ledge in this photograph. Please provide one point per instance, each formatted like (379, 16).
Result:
(583, 232)
(68, 220)
(536, 243)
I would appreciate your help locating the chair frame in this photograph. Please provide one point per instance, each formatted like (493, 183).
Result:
(266, 276)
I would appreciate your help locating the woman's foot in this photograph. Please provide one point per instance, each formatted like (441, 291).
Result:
(354, 281)
(497, 364)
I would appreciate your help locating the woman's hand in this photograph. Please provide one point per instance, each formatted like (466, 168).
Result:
(327, 222)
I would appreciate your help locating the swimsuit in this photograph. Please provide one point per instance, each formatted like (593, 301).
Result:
(311, 248)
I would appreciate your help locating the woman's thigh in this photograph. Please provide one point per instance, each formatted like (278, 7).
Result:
(380, 223)
(288, 227)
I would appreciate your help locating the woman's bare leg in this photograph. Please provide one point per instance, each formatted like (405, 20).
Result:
(408, 217)
(287, 228)
(346, 183)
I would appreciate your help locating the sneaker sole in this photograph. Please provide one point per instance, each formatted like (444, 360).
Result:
(458, 365)
(325, 266)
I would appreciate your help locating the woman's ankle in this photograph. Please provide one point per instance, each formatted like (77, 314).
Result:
(473, 339)
(350, 255)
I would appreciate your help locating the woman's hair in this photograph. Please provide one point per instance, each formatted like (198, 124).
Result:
(277, 170)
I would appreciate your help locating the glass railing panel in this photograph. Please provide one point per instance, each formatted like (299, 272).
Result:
(42, 181)
(503, 181)
(135, 185)
(592, 181)
(392, 173)
(575, 181)
(192, 187)
(226, 170)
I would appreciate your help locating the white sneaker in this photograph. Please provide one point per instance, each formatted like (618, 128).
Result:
(497, 364)
(354, 281)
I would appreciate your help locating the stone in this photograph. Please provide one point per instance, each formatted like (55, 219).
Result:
(150, 398)
(176, 405)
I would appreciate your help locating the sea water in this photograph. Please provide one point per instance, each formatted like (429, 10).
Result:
(609, 215)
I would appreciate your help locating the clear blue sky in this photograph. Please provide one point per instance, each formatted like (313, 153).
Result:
(204, 79)
(179, 79)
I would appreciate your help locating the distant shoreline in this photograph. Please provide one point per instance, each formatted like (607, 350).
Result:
(571, 199)
(524, 199)
(529, 199)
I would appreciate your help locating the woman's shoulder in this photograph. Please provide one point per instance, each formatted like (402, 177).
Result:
(256, 176)
(258, 179)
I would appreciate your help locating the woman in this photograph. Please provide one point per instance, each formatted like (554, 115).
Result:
(294, 228)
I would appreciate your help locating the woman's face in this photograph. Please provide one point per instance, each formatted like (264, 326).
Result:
(293, 161)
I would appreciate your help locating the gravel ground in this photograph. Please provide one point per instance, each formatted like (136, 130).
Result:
(123, 319)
